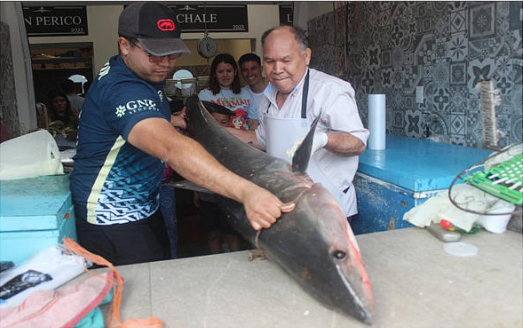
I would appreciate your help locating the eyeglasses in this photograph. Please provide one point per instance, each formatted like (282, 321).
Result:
(157, 59)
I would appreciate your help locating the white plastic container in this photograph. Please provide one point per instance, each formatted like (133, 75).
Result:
(31, 155)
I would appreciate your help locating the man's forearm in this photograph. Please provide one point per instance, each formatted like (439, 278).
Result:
(344, 144)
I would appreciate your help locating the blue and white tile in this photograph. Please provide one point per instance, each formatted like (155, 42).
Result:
(482, 20)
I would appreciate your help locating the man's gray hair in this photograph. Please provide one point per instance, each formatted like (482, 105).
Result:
(299, 35)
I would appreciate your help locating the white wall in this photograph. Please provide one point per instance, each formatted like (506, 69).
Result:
(102, 22)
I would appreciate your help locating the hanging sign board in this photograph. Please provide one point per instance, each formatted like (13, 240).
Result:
(54, 20)
(286, 14)
(213, 18)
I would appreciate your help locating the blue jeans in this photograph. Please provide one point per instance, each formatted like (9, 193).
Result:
(168, 209)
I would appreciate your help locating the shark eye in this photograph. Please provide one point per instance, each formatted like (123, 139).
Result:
(339, 255)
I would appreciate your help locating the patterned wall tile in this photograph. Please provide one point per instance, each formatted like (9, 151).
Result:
(398, 76)
(420, 10)
(458, 73)
(414, 124)
(457, 139)
(439, 6)
(480, 70)
(458, 21)
(427, 71)
(458, 99)
(457, 6)
(412, 78)
(503, 84)
(482, 20)
(441, 74)
(424, 50)
(424, 25)
(516, 97)
(442, 25)
(367, 82)
(447, 47)
(503, 124)
(399, 120)
(516, 129)
(458, 124)
(440, 50)
(457, 47)
(503, 9)
(386, 58)
(441, 100)
(438, 124)
(398, 57)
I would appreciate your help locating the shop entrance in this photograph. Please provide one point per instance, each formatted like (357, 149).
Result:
(54, 62)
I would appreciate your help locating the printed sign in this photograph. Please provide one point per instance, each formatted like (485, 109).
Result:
(286, 14)
(52, 21)
(214, 18)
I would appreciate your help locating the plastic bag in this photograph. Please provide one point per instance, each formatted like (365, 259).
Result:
(31, 155)
(47, 269)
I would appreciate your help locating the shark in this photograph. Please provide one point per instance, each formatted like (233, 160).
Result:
(314, 244)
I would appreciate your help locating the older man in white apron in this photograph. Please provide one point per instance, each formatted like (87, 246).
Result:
(280, 133)
(295, 96)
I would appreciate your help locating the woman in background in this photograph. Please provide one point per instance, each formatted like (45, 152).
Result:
(59, 109)
(60, 116)
(225, 89)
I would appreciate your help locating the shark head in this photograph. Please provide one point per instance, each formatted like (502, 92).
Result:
(319, 250)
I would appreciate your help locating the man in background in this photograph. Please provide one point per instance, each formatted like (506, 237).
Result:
(69, 88)
(252, 72)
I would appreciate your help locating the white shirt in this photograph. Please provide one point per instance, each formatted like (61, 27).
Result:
(334, 99)
(239, 103)
(256, 97)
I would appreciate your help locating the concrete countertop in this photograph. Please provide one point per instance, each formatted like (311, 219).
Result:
(414, 281)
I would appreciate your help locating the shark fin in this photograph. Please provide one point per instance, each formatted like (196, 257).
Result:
(300, 160)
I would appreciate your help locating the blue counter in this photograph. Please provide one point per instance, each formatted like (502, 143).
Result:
(35, 213)
(390, 182)
(419, 165)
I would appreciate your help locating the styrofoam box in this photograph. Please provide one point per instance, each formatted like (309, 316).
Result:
(35, 213)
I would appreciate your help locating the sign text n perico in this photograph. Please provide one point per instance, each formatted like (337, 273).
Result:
(55, 20)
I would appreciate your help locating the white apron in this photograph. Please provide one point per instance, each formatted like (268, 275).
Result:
(283, 134)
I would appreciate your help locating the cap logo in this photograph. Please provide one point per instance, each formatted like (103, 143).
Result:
(165, 24)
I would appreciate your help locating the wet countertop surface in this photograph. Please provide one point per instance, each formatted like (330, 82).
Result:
(415, 284)
(419, 165)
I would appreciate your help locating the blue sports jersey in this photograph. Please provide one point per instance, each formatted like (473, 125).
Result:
(114, 182)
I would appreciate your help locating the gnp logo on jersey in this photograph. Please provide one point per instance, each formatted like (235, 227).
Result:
(165, 24)
(135, 106)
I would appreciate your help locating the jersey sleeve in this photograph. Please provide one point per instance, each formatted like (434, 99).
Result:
(129, 103)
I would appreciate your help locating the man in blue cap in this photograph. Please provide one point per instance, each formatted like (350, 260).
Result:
(126, 134)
